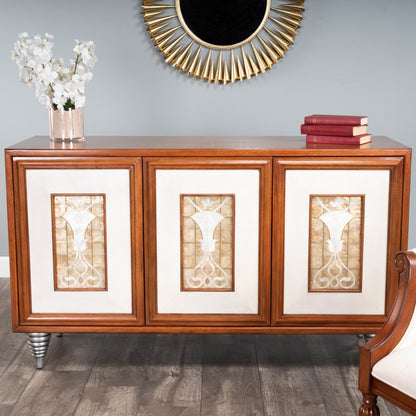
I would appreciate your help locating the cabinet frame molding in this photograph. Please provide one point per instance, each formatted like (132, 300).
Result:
(397, 229)
(264, 166)
(24, 318)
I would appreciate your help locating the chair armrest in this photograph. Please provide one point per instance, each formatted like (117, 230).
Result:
(397, 322)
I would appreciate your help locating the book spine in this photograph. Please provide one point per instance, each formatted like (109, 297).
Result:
(365, 145)
(337, 120)
(310, 138)
(332, 130)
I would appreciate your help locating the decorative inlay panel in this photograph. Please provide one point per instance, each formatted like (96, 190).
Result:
(79, 241)
(207, 242)
(336, 242)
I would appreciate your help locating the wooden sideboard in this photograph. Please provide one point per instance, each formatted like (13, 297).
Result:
(203, 235)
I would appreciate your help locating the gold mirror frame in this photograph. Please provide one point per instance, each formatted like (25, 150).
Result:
(185, 51)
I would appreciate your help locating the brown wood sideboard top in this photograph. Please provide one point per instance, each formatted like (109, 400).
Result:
(204, 146)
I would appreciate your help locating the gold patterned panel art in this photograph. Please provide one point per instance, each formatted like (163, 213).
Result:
(336, 243)
(207, 242)
(79, 242)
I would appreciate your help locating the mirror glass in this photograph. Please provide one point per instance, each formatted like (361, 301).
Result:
(223, 22)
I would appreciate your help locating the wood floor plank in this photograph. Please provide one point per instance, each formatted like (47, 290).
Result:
(15, 378)
(168, 411)
(117, 376)
(73, 352)
(188, 391)
(4, 295)
(122, 360)
(51, 393)
(289, 384)
(174, 375)
(335, 364)
(229, 339)
(4, 282)
(231, 381)
(9, 343)
(104, 400)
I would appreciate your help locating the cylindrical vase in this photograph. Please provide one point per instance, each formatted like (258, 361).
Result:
(66, 125)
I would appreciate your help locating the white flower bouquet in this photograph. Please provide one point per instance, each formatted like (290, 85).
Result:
(57, 87)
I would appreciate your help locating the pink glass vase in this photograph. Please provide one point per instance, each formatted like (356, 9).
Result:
(66, 125)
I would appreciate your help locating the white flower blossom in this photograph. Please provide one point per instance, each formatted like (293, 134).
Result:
(45, 100)
(78, 47)
(56, 86)
(80, 101)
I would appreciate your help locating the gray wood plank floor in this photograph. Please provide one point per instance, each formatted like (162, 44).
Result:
(180, 375)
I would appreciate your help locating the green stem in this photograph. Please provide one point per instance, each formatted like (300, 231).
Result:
(76, 63)
(54, 106)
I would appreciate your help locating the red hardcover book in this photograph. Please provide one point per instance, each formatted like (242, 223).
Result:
(361, 139)
(332, 130)
(336, 119)
(337, 146)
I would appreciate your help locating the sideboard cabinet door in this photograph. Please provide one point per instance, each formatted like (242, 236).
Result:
(338, 225)
(207, 239)
(78, 242)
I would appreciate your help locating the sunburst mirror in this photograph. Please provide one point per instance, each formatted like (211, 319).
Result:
(223, 41)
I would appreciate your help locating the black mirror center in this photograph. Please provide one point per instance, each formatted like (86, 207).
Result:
(223, 22)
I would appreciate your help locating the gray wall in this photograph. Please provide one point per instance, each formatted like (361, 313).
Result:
(350, 57)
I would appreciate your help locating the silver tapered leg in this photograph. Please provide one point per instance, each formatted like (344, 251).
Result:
(367, 337)
(38, 343)
(363, 338)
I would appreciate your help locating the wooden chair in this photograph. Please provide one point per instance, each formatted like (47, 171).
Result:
(388, 361)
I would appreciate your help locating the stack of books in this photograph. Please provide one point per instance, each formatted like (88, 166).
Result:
(335, 129)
